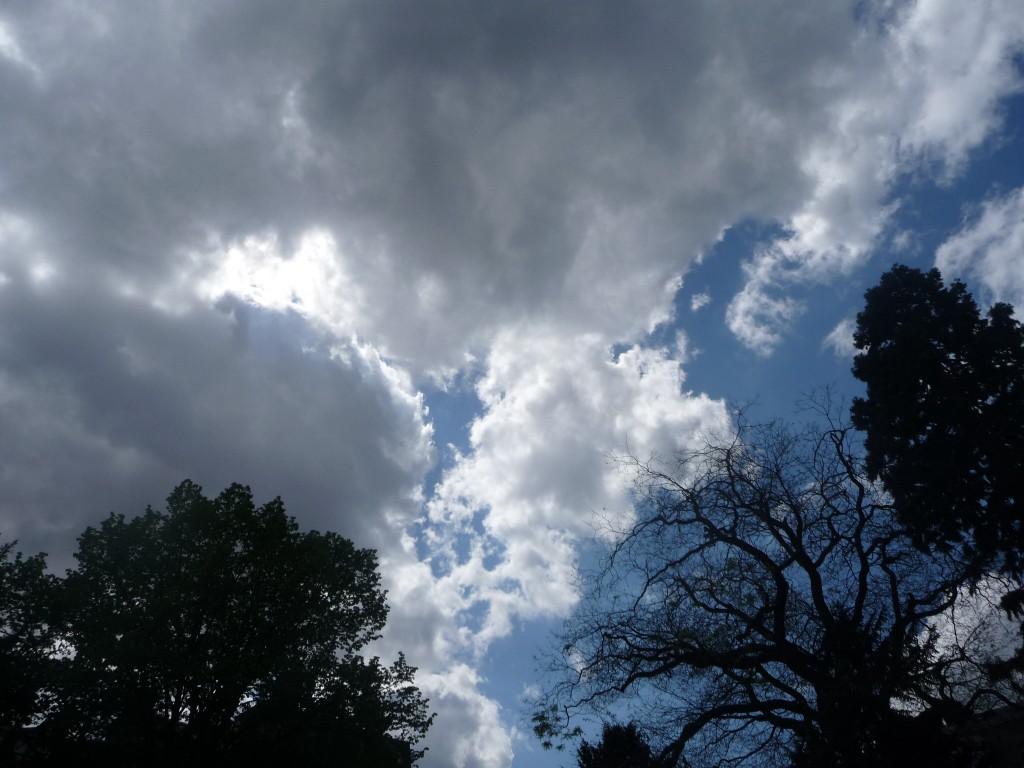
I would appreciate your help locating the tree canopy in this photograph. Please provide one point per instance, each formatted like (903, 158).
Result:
(24, 637)
(765, 607)
(217, 631)
(944, 414)
(620, 746)
(801, 598)
(944, 420)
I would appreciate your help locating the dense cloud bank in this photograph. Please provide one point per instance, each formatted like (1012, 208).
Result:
(237, 240)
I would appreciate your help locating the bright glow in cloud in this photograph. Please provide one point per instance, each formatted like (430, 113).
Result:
(237, 240)
(11, 50)
(312, 281)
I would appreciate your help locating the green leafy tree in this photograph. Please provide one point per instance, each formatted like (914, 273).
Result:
(217, 631)
(944, 413)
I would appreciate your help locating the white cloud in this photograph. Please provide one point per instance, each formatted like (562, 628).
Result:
(483, 740)
(261, 228)
(757, 318)
(11, 50)
(975, 632)
(313, 281)
(990, 250)
(840, 338)
(923, 92)
(954, 66)
(555, 410)
(699, 300)
(125, 400)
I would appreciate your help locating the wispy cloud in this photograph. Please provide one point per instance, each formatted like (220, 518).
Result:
(990, 250)
(840, 338)
(699, 300)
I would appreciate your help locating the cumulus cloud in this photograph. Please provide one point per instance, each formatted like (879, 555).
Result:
(758, 319)
(539, 467)
(104, 405)
(988, 250)
(934, 98)
(237, 238)
(492, 164)
(486, 743)
(955, 67)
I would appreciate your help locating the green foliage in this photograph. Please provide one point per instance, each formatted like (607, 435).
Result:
(549, 726)
(217, 633)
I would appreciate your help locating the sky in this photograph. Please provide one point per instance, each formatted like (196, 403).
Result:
(424, 268)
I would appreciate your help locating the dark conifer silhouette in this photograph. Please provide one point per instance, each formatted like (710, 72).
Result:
(944, 421)
(944, 413)
(620, 746)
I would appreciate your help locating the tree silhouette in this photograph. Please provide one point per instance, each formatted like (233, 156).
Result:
(216, 633)
(764, 607)
(944, 421)
(25, 640)
(944, 413)
(621, 746)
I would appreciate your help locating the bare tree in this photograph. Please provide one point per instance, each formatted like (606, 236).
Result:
(764, 607)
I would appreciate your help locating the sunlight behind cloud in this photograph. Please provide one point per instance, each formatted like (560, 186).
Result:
(11, 50)
(312, 281)
(249, 241)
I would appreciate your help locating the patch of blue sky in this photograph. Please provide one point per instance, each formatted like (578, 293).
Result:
(510, 676)
(459, 545)
(719, 365)
(929, 212)
(451, 411)
(474, 616)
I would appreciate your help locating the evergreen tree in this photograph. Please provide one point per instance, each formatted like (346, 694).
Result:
(944, 413)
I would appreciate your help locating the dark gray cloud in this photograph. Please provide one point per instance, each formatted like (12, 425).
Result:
(107, 404)
(485, 149)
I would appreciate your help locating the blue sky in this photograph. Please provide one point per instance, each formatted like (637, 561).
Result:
(421, 268)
